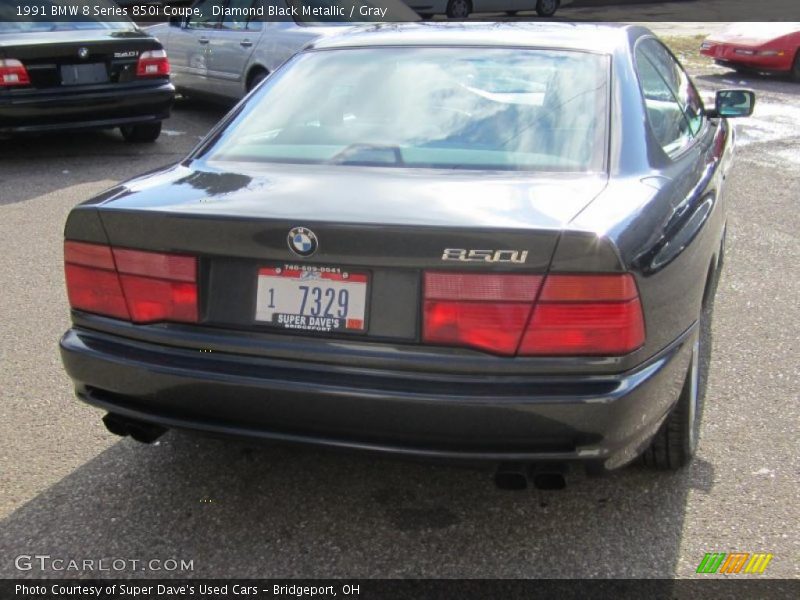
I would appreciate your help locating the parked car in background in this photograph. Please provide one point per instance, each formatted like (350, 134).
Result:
(461, 9)
(81, 75)
(754, 47)
(227, 56)
(482, 241)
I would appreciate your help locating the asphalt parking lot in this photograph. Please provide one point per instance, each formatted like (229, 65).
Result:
(71, 490)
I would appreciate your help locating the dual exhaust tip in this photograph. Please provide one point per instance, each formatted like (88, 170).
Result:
(515, 477)
(146, 433)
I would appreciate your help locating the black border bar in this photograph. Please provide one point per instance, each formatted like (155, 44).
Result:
(702, 587)
(151, 11)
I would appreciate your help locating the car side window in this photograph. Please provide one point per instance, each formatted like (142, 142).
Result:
(674, 108)
(206, 20)
(679, 82)
(236, 22)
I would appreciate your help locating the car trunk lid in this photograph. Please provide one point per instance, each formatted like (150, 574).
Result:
(386, 225)
(62, 59)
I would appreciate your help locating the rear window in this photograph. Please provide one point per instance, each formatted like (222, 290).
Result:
(452, 108)
(38, 16)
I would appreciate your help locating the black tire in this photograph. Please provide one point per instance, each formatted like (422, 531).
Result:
(141, 133)
(256, 77)
(459, 9)
(547, 8)
(676, 441)
(796, 67)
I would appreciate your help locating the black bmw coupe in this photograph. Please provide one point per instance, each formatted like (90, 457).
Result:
(493, 241)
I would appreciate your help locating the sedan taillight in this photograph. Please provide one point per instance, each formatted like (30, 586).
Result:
(134, 285)
(13, 73)
(153, 63)
(508, 314)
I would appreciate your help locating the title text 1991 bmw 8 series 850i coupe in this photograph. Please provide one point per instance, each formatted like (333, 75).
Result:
(495, 242)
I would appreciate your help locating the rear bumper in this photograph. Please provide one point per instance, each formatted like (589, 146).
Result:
(600, 418)
(29, 111)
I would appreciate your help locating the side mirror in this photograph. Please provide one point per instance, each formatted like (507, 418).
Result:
(733, 103)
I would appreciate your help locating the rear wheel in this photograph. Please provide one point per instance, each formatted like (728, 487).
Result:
(676, 441)
(255, 78)
(546, 8)
(142, 132)
(796, 67)
(459, 9)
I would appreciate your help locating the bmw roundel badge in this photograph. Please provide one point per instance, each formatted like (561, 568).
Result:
(83, 53)
(302, 241)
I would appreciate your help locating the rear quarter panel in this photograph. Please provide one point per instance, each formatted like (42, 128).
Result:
(664, 216)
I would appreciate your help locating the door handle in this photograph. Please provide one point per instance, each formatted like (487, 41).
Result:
(203, 40)
(245, 43)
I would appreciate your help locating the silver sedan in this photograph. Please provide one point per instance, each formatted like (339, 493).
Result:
(226, 55)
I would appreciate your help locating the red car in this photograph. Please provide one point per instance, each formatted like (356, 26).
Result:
(773, 47)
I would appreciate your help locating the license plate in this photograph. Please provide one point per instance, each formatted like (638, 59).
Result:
(84, 74)
(326, 300)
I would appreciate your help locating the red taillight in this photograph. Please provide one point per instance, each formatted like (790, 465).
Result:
(583, 328)
(574, 314)
(138, 286)
(486, 325)
(153, 63)
(154, 264)
(481, 287)
(588, 288)
(486, 311)
(158, 300)
(12, 73)
(96, 291)
(585, 314)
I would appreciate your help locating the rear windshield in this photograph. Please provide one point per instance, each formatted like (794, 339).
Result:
(452, 108)
(37, 16)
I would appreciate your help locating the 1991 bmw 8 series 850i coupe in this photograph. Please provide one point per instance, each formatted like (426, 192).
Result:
(496, 242)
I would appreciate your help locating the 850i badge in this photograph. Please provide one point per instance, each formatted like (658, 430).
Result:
(489, 256)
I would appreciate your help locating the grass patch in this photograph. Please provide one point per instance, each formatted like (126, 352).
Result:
(687, 49)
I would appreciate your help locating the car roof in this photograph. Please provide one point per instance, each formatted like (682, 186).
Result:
(595, 37)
